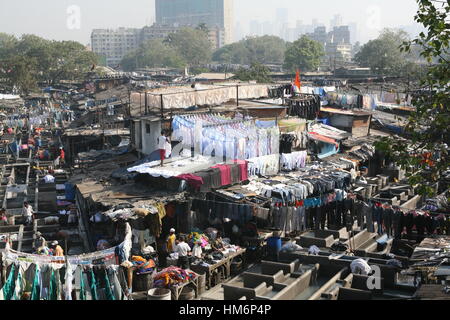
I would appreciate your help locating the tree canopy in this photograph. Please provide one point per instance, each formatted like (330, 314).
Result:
(383, 54)
(304, 54)
(31, 59)
(426, 156)
(256, 72)
(265, 49)
(192, 45)
(154, 54)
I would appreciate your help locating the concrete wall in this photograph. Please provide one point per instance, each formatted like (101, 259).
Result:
(150, 140)
(307, 241)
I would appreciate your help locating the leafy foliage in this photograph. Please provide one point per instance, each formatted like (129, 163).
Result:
(192, 45)
(383, 55)
(426, 156)
(265, 49)
(26, 61)
(304, 54)
(154, 54)
(257, 72)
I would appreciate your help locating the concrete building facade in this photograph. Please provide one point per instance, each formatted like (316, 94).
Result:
(114, 44)
(213, 13)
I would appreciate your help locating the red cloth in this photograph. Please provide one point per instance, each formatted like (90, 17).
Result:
(243, 167)
(225, 174)
(192, 180)
(322, 138)
(62, 155)
(162, 154)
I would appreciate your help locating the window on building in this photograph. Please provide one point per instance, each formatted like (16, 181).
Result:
(147, 128)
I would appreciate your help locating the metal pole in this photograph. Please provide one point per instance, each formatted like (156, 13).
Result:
(162, 106)
(237, 95)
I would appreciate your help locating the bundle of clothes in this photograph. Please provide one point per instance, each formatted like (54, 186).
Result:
(142, 265)
(172, 276)
(196, 237)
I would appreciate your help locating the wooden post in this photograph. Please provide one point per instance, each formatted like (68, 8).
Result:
(237, 95)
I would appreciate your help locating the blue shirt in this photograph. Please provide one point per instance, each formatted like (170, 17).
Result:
(274, 244)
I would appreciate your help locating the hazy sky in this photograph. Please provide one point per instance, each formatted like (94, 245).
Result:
(50, 18)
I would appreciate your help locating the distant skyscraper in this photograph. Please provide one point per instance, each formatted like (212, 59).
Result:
(336, 21)
(267, 28)
(282, 15)
(214, 13)
(238, 32)
(354, 32)
(255, 28)
(315, 24)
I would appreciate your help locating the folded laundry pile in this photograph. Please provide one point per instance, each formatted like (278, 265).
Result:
(172, 276)
(143, 266)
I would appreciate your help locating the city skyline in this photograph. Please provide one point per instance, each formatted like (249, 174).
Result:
(370, 17)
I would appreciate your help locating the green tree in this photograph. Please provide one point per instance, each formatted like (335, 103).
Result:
(428, 126)
(203, 27)
(265, 49)
(20, 73)
(49, 61)
(382, 55)
(256, 72)
(304, 54)
(7, 44)
(192, 45)
(152, 54)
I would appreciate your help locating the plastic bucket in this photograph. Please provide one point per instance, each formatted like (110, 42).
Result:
(159, 294)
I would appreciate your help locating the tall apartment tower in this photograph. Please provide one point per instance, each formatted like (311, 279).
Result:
(213, 13)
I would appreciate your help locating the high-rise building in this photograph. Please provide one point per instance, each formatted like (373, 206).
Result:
(213, 13)
(340, 35)
(113, 45)
(320, 35)
(255, 28)
(354, 32)
(337, 21)
(267, 28)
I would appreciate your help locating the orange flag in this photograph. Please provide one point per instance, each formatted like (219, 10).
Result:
(297, 79)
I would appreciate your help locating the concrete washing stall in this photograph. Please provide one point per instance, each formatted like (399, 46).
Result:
(278, 281)
(389, 274)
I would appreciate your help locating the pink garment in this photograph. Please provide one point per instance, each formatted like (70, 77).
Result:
(192, 179)
(243, 167)
(225, 174)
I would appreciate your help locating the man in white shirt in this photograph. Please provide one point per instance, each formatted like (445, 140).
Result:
(27, 213)
(162, 140)
(183, 250)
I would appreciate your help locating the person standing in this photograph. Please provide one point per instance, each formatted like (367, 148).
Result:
(183, 251)
(162, 140)
(27, 213)
(171, 241)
